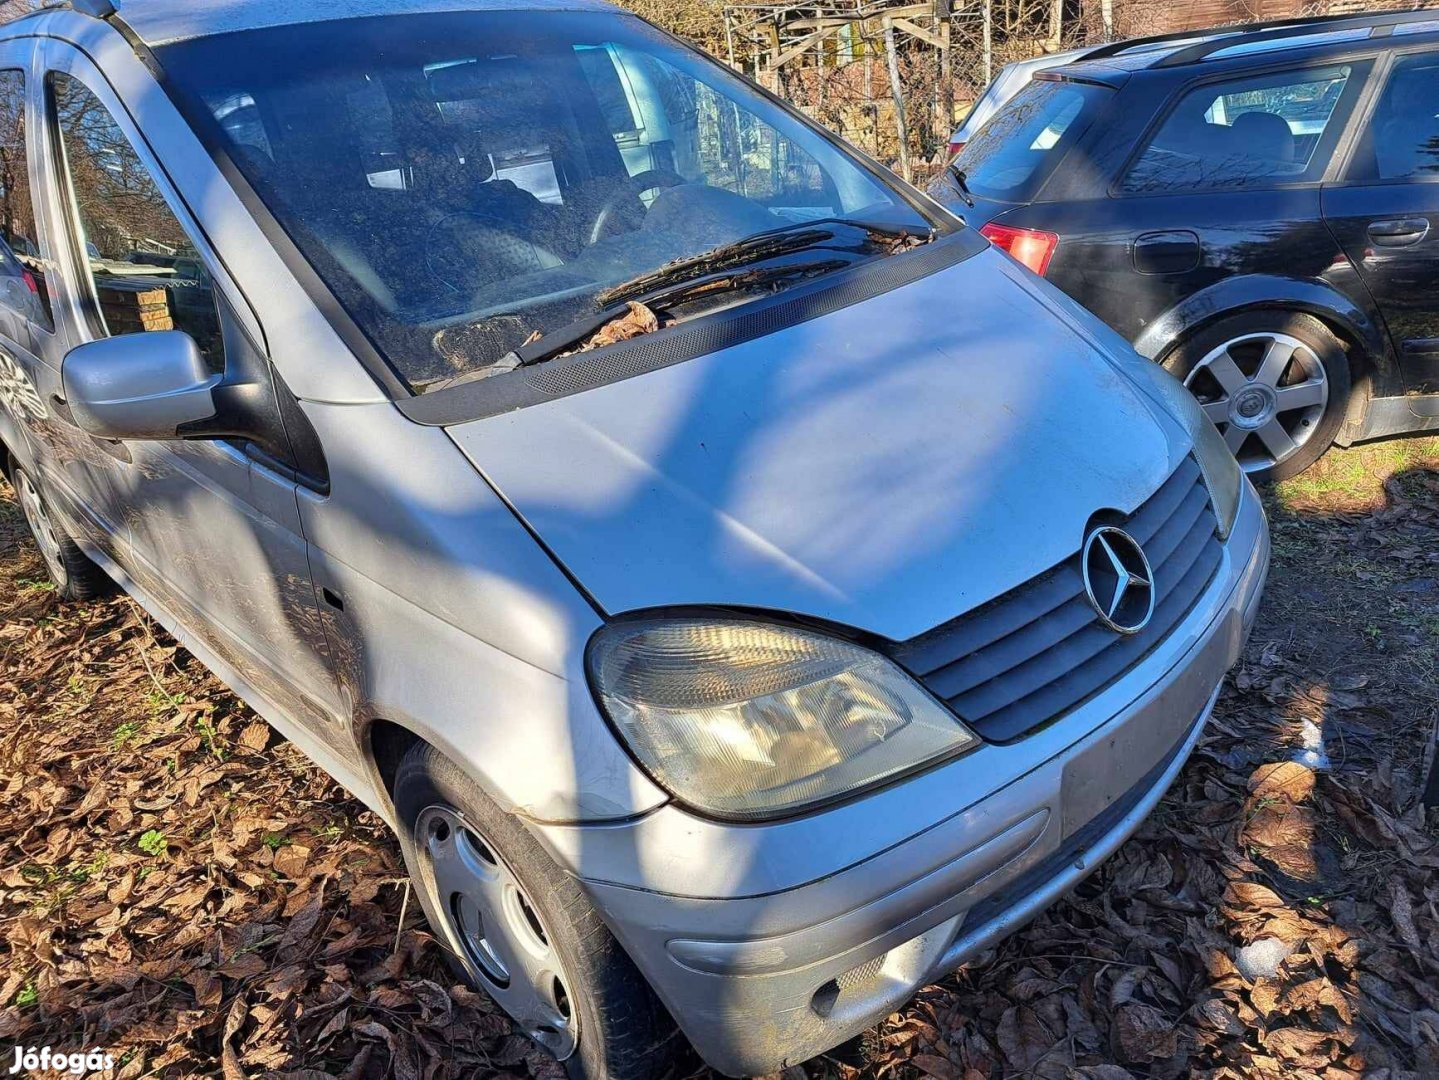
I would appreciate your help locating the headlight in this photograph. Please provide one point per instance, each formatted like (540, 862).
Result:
(750, 720)
(1222, 474)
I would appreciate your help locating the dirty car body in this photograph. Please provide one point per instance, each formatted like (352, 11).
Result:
(818, 640)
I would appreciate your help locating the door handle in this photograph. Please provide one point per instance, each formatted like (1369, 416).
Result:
(1398, 232)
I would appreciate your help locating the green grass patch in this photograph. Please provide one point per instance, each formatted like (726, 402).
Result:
(1356, 476)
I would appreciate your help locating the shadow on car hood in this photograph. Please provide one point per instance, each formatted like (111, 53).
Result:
(888, 466)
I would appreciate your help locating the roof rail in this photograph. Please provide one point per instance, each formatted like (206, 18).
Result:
(1306, 24)
(1117, 48)
(1378, 23)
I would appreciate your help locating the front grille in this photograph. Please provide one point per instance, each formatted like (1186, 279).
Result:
(1033, 654)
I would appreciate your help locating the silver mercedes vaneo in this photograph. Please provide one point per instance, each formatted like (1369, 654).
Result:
(747, 594)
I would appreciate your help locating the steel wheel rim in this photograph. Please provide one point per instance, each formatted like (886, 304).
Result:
(1265, 392)
(41, 527)
(496, 930)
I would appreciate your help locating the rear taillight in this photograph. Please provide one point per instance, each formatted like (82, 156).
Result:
(954, 149)
(30, 283)
(1031, 247)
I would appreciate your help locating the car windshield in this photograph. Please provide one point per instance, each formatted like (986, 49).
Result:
(466, 182)
(1013, 154)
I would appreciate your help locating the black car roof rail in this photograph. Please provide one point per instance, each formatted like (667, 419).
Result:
(1118, 48)
(1305, 24)
(1379, 24)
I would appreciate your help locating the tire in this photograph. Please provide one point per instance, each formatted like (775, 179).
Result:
(1279, 416)
(614, 1027)
(75, 577)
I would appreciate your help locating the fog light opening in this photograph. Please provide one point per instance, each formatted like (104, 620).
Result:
(824, 998)
(856, 982)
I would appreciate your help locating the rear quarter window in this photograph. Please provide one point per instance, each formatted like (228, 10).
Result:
(1014, 153)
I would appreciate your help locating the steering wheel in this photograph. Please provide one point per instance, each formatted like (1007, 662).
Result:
(629, 191)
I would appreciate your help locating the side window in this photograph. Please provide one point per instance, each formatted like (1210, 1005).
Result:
(23, 288)
(664, 118)
(739, 151)
(1250, 133)
(145, 272)
(373, 122)
(481, 103)
(1404, 131)
(611, 95)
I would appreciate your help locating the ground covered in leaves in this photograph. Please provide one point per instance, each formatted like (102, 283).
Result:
(182, 888)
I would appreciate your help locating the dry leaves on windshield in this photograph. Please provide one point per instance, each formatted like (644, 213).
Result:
(893, 245)
(637, 320)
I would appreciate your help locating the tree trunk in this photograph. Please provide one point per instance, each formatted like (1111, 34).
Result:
(988, 42)
(900, 122)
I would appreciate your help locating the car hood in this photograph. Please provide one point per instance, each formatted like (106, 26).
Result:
(888, 466)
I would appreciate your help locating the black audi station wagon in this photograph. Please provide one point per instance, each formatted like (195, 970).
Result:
(1253, 207)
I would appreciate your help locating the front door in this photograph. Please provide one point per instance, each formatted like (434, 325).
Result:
(73, 468)
(1385, 214)
(213, 526)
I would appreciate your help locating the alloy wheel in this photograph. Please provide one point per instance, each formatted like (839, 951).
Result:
(1265, 392)
(32, 505)
(503, 941)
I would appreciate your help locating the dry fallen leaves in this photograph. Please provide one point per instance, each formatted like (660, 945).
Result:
(636, 320)
(261, 941)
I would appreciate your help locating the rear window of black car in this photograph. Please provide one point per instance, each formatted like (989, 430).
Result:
(1012, 155)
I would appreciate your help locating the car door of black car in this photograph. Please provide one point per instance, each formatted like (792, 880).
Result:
(1385, 213)
(1226, 183)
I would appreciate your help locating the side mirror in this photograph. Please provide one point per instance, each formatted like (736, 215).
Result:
(140, 386)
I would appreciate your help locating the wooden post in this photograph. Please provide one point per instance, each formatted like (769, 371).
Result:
(1106, 14)
(988, 42)
(1056, 23)
(819, 71)
(897, 91)
(870, 105)
(946, 78)
(771, 54)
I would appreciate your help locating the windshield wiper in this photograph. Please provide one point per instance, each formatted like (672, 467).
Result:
(725, 269)
(961, 180)
(575, 336)
(780, 240)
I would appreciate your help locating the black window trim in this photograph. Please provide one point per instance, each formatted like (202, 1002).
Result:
(1364, 64)
(1364, 113)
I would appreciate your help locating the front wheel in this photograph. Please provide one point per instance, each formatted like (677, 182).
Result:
(519, 928)
(1275, 383)
(74, 575)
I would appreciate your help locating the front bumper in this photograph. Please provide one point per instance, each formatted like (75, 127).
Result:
(772, 943)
